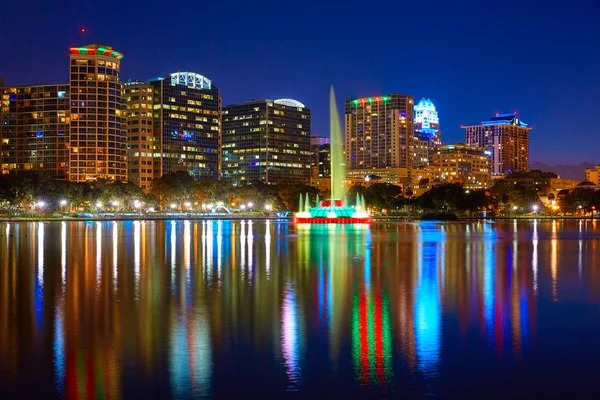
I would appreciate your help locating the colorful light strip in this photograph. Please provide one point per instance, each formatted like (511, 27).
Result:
(101, 51)
(370, 100)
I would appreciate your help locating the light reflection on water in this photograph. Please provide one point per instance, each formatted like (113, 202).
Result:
(192, 309)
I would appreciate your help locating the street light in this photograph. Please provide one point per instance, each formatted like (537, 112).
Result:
(98, 205)
(515, 208)
(250, 204)
(535, 208)
(220, 204)
(63, 202)
(115, 203)
(267, 207)
(40, 204)
(187, 204)
(243, 207)
(173, 206)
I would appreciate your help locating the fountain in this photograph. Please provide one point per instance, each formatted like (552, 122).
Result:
(336, 209)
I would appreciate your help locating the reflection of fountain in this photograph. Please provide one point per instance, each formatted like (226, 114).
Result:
(335, 210)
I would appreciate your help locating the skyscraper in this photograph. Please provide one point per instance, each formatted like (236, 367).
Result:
(506, 139)
(34, 129)
(379, 133)
(186, 125)
(267, 141)
(427, 132)
(97, 128)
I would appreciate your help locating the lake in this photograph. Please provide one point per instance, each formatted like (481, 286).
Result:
(270, 309)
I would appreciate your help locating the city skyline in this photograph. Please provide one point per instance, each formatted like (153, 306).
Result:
(468, 82)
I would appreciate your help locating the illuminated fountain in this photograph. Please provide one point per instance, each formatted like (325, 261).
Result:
(335, 210)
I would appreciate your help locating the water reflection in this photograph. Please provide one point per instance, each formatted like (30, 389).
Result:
(194, 309)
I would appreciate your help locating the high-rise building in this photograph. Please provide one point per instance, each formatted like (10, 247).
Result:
(427, 132)
(97, 128)
(186, 125)
(142, 166)
(34, 129)
(506, 138)
(379, 133)
(320, 157)
(461, 163)
(267, 141)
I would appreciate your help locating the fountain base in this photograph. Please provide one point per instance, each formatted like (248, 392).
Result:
(335, 212)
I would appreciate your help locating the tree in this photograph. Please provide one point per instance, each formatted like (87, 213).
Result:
(174, 187)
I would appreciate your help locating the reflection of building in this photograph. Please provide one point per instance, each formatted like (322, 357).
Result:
(267, 141)
(320, 157)
(379, 132)
(187, 123)
(34, 129)
(427, 132)
(97, 131)
(593, 174)
(140, 135)
(461, 163)
(506, 137)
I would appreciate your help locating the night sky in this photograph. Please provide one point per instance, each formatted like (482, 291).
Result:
(472, 58)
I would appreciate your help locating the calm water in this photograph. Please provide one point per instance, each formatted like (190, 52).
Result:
(215, 309)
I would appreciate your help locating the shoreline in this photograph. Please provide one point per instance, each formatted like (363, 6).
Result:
(271, 218)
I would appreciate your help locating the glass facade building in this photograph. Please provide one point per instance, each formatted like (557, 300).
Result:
(267, 141)
(379, 132)
(98, 126)
(186, 115)
(34, 129)
(320, 157)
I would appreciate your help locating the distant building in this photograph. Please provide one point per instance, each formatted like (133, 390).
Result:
(394, 176)
(320, 157)
(593, 174)
(98, 126)
(142, 166)
(461, 163)
(379, 132)
(186, 125)
(506, 138)
(267, 141)
(428, 136)
(542, 182)
(34, 129)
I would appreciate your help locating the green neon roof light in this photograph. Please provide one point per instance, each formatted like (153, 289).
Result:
(370, 100)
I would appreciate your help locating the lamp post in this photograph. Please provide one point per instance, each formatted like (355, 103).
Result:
(535, 209)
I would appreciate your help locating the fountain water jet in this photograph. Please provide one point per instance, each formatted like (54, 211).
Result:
(335, 210)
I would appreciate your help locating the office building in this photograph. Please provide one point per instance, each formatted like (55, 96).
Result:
(379, 133)
(142, 166)
(34, 129)
(428, 136)
(267, 141)
(186, 125)
(506, 138)
(461, 163)
(98, 126)
(320, 157)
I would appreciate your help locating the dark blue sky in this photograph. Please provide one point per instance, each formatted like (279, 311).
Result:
(472, 58)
